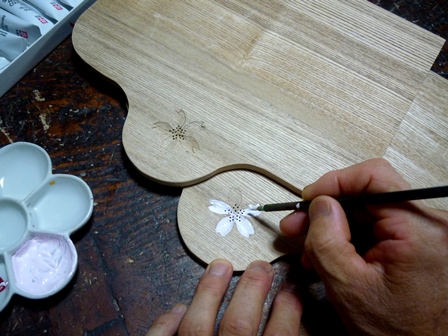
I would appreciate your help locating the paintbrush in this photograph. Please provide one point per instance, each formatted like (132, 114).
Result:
(378, 198)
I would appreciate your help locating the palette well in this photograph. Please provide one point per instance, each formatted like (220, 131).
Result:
(38, 212)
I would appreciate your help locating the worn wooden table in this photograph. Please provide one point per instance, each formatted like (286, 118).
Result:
(132, 263)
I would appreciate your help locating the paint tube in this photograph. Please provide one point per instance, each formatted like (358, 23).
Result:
(3, 63)
(28, 14)
(11, 45)
(71, 3)
(49, 8)
(15, 25)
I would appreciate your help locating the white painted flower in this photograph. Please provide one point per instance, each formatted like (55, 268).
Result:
(235, 215)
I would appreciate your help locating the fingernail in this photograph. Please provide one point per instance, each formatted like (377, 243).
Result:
(305, 192)
(319, 207)
(219, 267)
(262, 266)
(178, 309)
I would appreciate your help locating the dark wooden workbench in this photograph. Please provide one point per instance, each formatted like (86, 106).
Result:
(132, 263)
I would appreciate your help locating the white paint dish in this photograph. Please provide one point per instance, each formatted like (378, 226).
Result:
(44, 264)
(38, 212)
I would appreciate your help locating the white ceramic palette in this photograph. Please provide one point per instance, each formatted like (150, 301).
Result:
(38, 212)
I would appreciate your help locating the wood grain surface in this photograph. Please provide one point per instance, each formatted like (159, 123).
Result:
(288, 89)
(419, 151)
(275, 84)
(197, 223)
(132, 263)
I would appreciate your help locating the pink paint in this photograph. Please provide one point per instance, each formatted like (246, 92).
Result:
(44, 264)
(3, 285)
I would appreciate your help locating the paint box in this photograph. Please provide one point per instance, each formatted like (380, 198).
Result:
(15, 70)
(38, 212)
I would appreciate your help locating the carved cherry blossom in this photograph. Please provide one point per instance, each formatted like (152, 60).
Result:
(180, 131)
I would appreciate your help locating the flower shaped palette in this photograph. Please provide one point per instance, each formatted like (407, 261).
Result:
(38, 212)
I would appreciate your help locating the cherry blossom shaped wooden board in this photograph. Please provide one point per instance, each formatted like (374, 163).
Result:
(419, 152)
(290, 89)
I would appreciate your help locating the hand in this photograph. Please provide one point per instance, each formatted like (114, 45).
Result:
(243, 315)
(400, 284)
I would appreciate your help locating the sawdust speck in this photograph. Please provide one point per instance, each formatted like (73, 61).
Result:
(37, 96)
(43, 120)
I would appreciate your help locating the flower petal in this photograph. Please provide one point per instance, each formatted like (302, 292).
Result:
(168, 143)
(178, 118)
(163, 125)
(224, 226)
(219, 207)
(191, 142)
(251, 211)
(245, 227)
(194, 125)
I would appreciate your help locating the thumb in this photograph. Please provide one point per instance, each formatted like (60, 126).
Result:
(327, 245)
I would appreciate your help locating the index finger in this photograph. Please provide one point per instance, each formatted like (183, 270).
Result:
(371, 176)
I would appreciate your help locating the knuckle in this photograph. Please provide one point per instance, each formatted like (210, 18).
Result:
(309, 248)
(253, 281)
(288, 301)
(162, 323)
(193, 328)
(322, 249)
(309, 244)
(382, 162)
(256, 278)
(253, 277)
(316, 245)
(332, 175)
(236, 325)
(210, 287)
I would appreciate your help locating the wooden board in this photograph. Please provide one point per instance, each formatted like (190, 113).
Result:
(419, 152)
(287, 88)
(197, 223)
